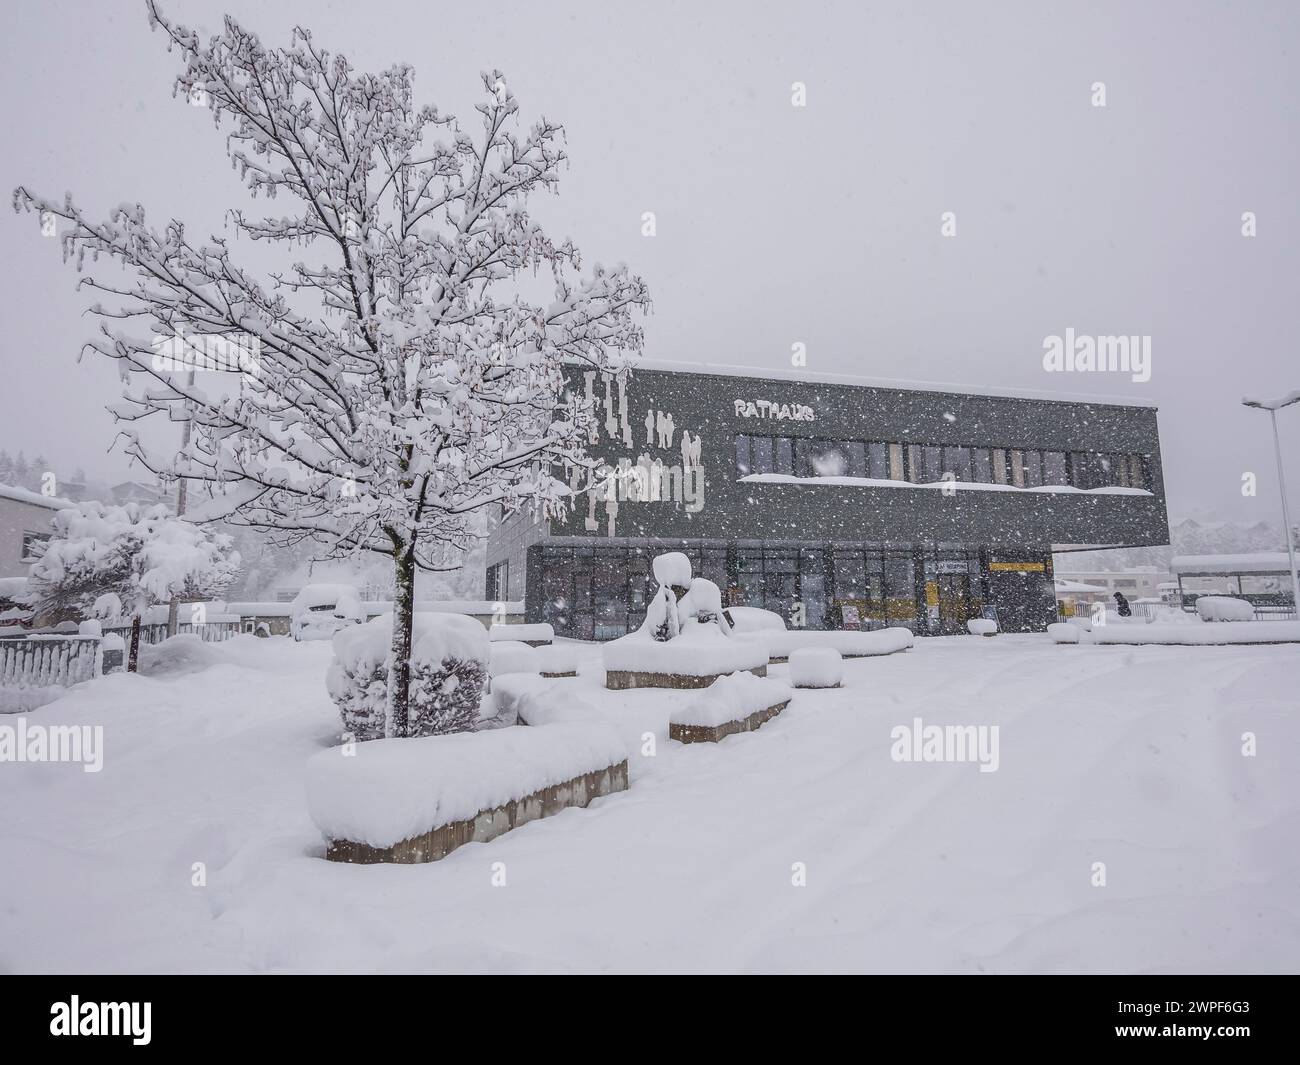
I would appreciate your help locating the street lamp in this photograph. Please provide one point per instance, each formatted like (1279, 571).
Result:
(1273, 406)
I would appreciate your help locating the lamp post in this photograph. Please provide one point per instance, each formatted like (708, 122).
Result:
(1273, 406)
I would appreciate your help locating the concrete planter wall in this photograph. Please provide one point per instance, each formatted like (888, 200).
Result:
(488, 824)
(712, 734)
(622, 679)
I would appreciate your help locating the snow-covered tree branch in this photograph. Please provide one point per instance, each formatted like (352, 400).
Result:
(379, 394)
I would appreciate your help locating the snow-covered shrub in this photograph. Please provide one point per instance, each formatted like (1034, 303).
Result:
(109, 561)
(982, 627)
(90, 627)
(449, 663)
(511, 656)
(318, 611)
(816, 667)
(185, 653)
(755, 619)
(1224, 608)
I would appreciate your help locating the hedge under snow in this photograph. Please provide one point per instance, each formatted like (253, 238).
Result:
(699, 650)
(849, 643)
(1224, 608)
(395, 789)
(449, 664)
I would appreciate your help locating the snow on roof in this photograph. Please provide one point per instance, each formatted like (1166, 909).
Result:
(1258, 562)
(1273, 404)
(268, 609)
(26, 495)
(819, 377)
(1063, 585)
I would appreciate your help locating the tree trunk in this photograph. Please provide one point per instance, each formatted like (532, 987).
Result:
(133, 658)
(399, 673)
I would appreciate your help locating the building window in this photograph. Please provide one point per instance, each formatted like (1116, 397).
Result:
(1018, 468)
(31, 545)
(999, 466)
(1054, 468)
(742, 455)
(956, 460)
(982, 460)
(878, 459)
(760, 454)
(498, 582)
(784, 455)
(897, 469)
(1137, 472)
(1033, 469)
(856, 452)
(824, 459)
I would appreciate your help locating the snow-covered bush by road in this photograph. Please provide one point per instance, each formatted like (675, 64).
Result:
(449, 666)
(1224, 608)
(981, 626)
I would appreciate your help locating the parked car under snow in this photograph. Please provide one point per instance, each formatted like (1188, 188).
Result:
(320, 610)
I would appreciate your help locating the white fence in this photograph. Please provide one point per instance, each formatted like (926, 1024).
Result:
(156, 632)
(46, 661)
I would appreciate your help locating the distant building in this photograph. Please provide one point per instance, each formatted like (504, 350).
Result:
(137, 492)
(24, 522)
(1142, 582)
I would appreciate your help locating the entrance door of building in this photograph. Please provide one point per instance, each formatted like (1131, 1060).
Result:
(954, 602)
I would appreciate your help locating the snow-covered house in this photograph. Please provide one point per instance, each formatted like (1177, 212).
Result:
(24, 522)
(836, 502)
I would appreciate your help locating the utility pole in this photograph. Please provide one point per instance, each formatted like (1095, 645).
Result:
(1273, 406)
(173, 608)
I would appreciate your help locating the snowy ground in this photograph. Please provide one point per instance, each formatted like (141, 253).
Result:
(1127, 756)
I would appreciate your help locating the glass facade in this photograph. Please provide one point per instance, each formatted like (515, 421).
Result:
(928, 463)
(600, 592)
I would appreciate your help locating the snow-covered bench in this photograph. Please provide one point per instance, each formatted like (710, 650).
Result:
(850, 644)
(533, 635)
(417, 800)
(740, 702)
(638, 661)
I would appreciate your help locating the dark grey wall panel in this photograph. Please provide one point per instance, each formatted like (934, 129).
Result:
(704, 405)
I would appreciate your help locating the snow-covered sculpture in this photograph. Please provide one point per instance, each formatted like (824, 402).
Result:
(681, 600)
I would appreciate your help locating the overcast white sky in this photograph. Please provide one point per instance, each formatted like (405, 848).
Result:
(776, 224)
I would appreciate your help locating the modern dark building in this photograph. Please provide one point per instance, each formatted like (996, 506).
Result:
(838, 505)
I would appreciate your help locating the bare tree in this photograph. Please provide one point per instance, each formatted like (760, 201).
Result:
(379, 396)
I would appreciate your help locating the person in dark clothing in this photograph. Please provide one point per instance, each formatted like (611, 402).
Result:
(1125, 611)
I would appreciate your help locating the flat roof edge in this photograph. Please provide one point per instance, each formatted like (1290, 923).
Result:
(824, 377)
